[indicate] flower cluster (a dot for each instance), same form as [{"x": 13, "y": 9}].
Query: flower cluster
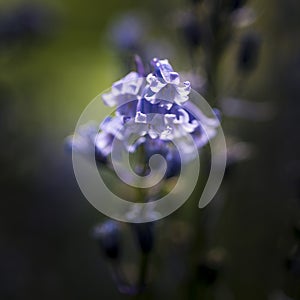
[{"x": 152, "y": 113}]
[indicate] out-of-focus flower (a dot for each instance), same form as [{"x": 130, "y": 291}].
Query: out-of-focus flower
[
  {"x": 84, "y": 142},
  {"x": 248, "y": 52},
  {"x": 109, "y": 237},
  {"x": 26, "y": 22},
  {"x": 127, "y": 31},
  {"x": 145, "y": 235},
  {"x": 158, "y": 47},
  {"x": 191, "y": 28},
  {"x": 232, "y": 5},
  {"x": 243, "y": 17}
]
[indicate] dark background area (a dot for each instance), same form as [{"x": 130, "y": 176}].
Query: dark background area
[{"x": 55, "y": 57}]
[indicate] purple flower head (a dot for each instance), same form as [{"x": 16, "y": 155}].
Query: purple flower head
[
  {"x": 154, "y": 113},
  {"x": 164, "y": 85}
]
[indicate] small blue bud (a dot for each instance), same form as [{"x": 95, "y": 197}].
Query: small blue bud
[
  {"x": 248, "y": 52},
  {"x": 145, "y": 235},
  {"x": 109, "y": 236}
]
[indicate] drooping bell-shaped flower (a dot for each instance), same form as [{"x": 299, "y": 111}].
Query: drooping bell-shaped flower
[{"x": 164, "y": 85}]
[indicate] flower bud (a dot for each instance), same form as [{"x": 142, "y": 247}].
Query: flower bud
[
  {"x": 109, "y": 237},
  {"x": 145, "y": 235},
  {"x": 191, "y": 29},
  {"x": 232, "y": 5},
  {"x": 236, "y": 4},
  {"x": 25, "y": 22},
  {"x": 248, "y": 52},
  {"x": 126, "y": 32}
]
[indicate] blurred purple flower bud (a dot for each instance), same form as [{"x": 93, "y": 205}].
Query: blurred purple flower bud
[
  {"x": 109, "y": 236},
  {"x": 145, "y": 236},
  {"x": 25, "y": 22},
  {"x": 127, "y": 31},
  {"x": 171, "y": 155},
  {"x": 191, "y": 29},
  {"x": 248, "y": 52},
  {"x": 232, "y": 5},
  {"x": 235, "y": 4},
  {"x": 243, "y": 17}
]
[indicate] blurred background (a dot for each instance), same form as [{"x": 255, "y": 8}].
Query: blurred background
[{"x": 56, "y": 56}]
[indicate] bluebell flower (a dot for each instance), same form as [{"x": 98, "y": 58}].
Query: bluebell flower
[
  {"x": 153, "y": 113},
  {"x": 84, "y": 142},
  {"x": 164, "y": 84},
  {"x": 125, "y": 89}
]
